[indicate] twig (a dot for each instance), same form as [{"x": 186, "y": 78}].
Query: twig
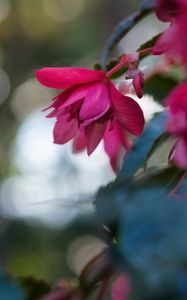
[{"x": 122, "y": 29}]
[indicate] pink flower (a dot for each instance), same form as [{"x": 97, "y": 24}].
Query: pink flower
[
  {"x": 121, "y": 288},
  {"x": 177, "y": 122},
  {"x": 90, "y": 108},
  {"x": 167, "y": 10},
  {"x": 173, "y": 41}
]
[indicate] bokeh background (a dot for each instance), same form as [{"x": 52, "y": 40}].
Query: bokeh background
[{"x": 47, "y": 225}]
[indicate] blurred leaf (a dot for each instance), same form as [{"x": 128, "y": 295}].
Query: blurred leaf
[
  {"x": 97, "y": 66},
  {"x": 35, "y": 288},
  {"x": 153, "y": 241},
  {"x": 109, "y": 201},
  {"x": 9, "y": 290},
  {"x": 167, "y": 177},
  {"x": 159, "y": 86},
  {"x": 149, "y": 43},
  {"x": 136, "y": 158},
  {"x": 158, "y": 142},
  {"x": 119, "y": 73}
]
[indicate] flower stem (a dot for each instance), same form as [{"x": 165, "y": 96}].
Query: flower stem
[
  {"x": 125, "y": 62},
  {"x": 103, "y": 288},
  {"x": 116, "y": 68}
]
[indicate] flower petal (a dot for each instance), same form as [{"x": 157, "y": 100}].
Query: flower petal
[
  {"x": 77, "y": 94},
  {"x": 127, "y": 112},
  {"x": 64, "y": 129},
  {"x": 138, "y": 83},
  {"x": 114, "y": 140},
  {"x": 121, "y": 288},
  {"x": 94, "y": 133},
  {"x": 57, "y": 103},
  {"x": 180, "y": 153},
  {"x": 63, "y": 78},
  {"x": 96, "y": 102},
  {"x": 112, "y": 146},
  {"x": 165, "y": 41},
  {"x": 79, "y": 143}
]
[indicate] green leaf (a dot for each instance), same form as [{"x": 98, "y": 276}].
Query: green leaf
[
  {"x": 167, "y": 177},
  {"x": 157, "y": 144},
  {"x": 109, "y": 201},
  {"x": 153, "y": 241},
  {"x": 136, "y": 158},
  {"x": 97, "y": 66},
  {"x": 9, "y": 290},
  {"x": 159, "y": 86},
  {"x": 34, "y": 288},
  {"x": 149, "y": 43}
]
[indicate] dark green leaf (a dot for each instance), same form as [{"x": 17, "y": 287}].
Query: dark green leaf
[
  {"x": 119, "y": 73},
  {"x": 167, "y": 177},
  {"x": 97, "y": 66},
  {"x": 34, "y": 288},
  {"x": 159, "y": 86},
  {"x": 136, "y": 158},
  {"x": 153, "y": 241},
  {"x": 149, "y": 43},
  {"x": 109, "y": 201}
]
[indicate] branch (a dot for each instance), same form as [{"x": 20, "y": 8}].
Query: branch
[{"x": 123, "y": 28}]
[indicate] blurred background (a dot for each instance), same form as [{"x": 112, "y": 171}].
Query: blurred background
[{"x": 47, "y": 224}]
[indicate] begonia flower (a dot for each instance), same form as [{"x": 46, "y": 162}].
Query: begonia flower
[
  {"x": 173, "y": 41},
  {"x": 89, "y": 109},
  {"x": 177, "y": 122}
]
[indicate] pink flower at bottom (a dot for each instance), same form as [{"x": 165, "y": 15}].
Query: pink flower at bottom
[
  {"x": 121, "y": 288},
  {"x": 177, "y": 122},
  {"x": 90, "y": 109}
]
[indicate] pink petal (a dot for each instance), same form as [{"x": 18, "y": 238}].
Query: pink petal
[
  {"x": 121, "y": 288},
  {"x": 79, "y": 143},
  {"x": 64, "y": 129},
  {"x": 77, "y": 94},
  {"x": 112, "y": 146},
  {"x": 127, "y": 112},
  {"x": 165, "y": 41},
  {"x": 138, "y": 83},
  {"x": 96, "y": 102},
  {"x": 94, "y": 133},
  {"x": 180, "y": 153},
  {"x": 113, "y": 141},
  {"x": 63, "y": 78},
  {"x": 57, "y": 103}
]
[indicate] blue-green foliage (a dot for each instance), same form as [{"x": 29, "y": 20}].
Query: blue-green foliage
[
  {"x": 137, "y": 157},
  {"x": 9, "y": 290},
  {"x": 148, "y": 222}
]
